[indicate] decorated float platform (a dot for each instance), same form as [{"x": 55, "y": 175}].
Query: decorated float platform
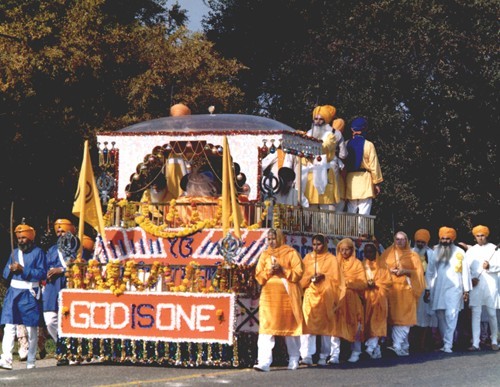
[{"x": 168, "y": 283}]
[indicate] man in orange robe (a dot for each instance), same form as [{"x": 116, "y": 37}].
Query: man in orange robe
[
  {"x": 279, "y": 271},
  {"x": 323, "y": 284},
  {"x": 376, "y": 299},
  {"x": 350, "y": 314},
  {"x": 408, "y": 283}
]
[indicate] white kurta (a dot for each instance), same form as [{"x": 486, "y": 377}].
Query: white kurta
[
  {"x": 425, "y": 315},
  {"x": 485, "y": 293},
  {"x": 446, "y": 284}
]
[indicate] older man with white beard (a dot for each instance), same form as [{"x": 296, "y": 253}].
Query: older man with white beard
[
  {"x": 449, "y": 279},
  {"x": 320, "y": 175},
  {"x": 484, "y": 266}
]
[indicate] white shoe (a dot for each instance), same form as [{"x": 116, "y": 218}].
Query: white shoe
[
  {"x": 377, "y": 354},
  {"x": 307, "y": 361},
  {"x": 293, "y": 364},
  {"x": 5, "y": 364},
  {"x": 354, "y": 357},
  {"x": 334, "y": 360},
  {"x": 402, "y": 352},
  {"x": 262, "y": 368},
  {"x": 446, "y": 350},
  {"x": 322, "y": 362},
  {"x": 30, "y": 365},
  {"x": 370, "y": 351}
]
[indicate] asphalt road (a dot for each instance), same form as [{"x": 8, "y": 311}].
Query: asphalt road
[{"x": 429, "y": 369}]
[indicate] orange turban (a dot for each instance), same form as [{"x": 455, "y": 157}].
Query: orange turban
[
  {"x": 325, "y": 111},
  {"x": 65, "y": 225},
  {"x": 338, "y": 124},
  {"x": 481, "y": 230},
  {"x": 179, "y": 109},
  {"x": 25, "y": 230},
  {"x": 87, "y": 243},
  {"x": 447, "y": 232},
  {"x": 422, "y": 235}
]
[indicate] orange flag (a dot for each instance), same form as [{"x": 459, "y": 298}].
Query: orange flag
[
  {"x": 229, "y": 203},
  {"x": 87, "y": 205}
]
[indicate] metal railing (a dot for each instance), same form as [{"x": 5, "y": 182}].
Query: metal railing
[{"x": 289, "y": 218}]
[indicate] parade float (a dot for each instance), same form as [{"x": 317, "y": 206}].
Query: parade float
[{"x": 171, "y": 283}]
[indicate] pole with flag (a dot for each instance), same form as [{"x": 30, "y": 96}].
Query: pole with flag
[
  {"x": 229, "y": 203},
  {"x": 87, "y": 205}
]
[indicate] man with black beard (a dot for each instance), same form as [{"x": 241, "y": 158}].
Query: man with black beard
[
  {"x": 448, "y": 276},
  {"x": 25, "y": 267}
]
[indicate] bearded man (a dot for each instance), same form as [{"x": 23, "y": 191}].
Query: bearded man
[
  {"x": 319, "y": 175},
  {"x": 25, "y": 267},
  {"x": 408, "y": 282},
  {"x": 484, "y": 265},
  {"x": 449, "y": 281}
]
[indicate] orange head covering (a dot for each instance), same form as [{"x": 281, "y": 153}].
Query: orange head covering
[
  {"x": 481, "y": 230},
  {"x": 338, "y": 124},
  {"x": 179, "y": 109},
  {"x": 65, "y": 225},
  {"x": 422, "y": 235},
  {"x": 325, "y": 111},
  {"x": 87, "y": 243},
  {"x": 25, "y": 230},
  {"x": 447, "y": 232}
]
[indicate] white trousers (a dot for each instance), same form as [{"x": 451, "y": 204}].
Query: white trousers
[
  {"x": 447, "y": 323},
  {"x": 51, "y": 323},
  {"x": 476, "y": 324},
  {"x": 371, "y": 343},
  {"x": 335, "y": 347},
  {"x": 400, "y": 337},
  {"x": 9, "y": 336},
  {"x": 308, "y": 346},
  {"x": 364, "y": 206},
  {"x": 265, "y": 345}
]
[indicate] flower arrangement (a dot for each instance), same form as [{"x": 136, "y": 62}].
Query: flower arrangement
[{"x": 458, "y": 265}]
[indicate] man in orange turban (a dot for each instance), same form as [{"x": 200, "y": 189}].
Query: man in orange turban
[
  {"x": 321, "y": 174},
  {"x": 24, "y": 269},
  {"x": 449, "y": 280},
  {"x": 56, "y": 279},
  {"x": 484, "y": 262}
]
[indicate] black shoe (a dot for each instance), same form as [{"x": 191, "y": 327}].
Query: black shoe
[
  {"x": 63, "y": 362},
  {"x": 42, "y": 354}
]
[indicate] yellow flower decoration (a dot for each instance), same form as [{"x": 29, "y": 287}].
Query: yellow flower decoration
[{"x": 458, "y": 266}]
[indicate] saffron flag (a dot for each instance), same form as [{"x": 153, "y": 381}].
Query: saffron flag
[
  {"x": 87, "y": 205},
  {"x": 230, "y": 205}
]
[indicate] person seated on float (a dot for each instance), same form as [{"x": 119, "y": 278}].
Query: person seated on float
[
  {"x": 156, "y": 197},
  {"x": 201, "y": 192}
]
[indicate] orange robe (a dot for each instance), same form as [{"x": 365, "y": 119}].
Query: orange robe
[
  {"x": 280, "y": 304},
  {"x": 350, "y": 314},
  {"x": 376, "y": 299},
  {"x": 321, "y": 299},
  {"x": 406, "y": 290}
]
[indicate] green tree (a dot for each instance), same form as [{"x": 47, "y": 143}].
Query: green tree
[
  {"x": 71, "y": 68},
  {"x": 424, "y": 73}
]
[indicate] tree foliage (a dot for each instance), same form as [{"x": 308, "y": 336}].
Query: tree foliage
[
  {"x": 425, "y": 73},
  {"x": 71, "y": 68}
]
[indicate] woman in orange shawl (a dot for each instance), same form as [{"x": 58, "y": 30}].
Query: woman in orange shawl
[
  {"x": 279, "y": 271},
  {"x": 323, "y": 285},
  {"x": 350, "y": 315},
  {"x": 407, "y": 285},
  {"x": 376, "y": 299}
]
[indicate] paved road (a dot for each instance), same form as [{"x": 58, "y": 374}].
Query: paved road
[{"x": 430, "y": 369}]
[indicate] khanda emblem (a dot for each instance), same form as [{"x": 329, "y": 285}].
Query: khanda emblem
[
  {"x": 68, "y": 244},
  {"x": 88, "y": 192}
]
